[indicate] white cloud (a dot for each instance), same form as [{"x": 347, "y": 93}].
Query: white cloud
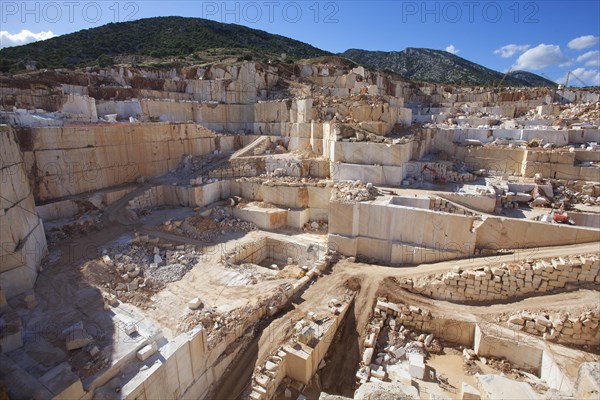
[
  {"x": 25, "y": 36},
  {"x": 591, "y": 58},
  {"x": 540, "y": 57},
  {"x": 452, "y": 49},
  {"x": 511, "y": 49},
  {"x": 590, "y": 77},
  {"x": 583, "y": 42}
]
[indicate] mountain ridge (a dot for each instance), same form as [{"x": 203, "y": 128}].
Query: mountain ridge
[{"x": 431, "y": 65}]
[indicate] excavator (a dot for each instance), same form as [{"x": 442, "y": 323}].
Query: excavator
[
  {"x": 436, "y": 177},
  {"x": 560, "y": 216}
]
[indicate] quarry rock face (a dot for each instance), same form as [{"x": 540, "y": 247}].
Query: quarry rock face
[{"x": 23, "y": 238}]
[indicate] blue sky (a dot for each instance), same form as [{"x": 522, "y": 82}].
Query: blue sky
[{"x": 545, "y": 37}]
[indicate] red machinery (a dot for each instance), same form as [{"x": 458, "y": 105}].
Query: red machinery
[{"x": 436, "y": 177}]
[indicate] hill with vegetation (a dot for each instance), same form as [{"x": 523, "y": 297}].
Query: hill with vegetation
[{"x": 159, "y": 38}]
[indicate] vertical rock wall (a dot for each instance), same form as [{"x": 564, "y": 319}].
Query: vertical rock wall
[{"x": 22, "y": 238}]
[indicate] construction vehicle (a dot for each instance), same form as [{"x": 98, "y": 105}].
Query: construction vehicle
[
  {"x": 436, "y": 177},
  {"x": 560, "y": 216}
]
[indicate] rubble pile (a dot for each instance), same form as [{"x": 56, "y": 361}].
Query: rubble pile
[
  {"x": 85, "y": 223},
  {"x": 582, "y": 112},
  {"x": 286, "y": 180},
  {"x": 209, "y": 228},
  {"x": 355, "y": 133},
  {"x": 564, "y": 115},
  {"x": 138, "y": 271},
  {"x": 168, "y": 273},
  {"x": 316, "y": 226},
  {"x": 217, "y": 324},
  {"x": 84, "y": 348},
  {"x": 341, "y": 109},
  {"x": 220, "y": 324},
  {"x": 537, "y": 194},
  {"x": 560, "y": 327},
  {"x": 398, "y": 342},
  {"x": 440, "y": 172},
  {"x": 353, "y": 191},
  {"x": 201, "y": 163},
  {"x": 586, "y": 193},
  {"x": 509, "y": 281},
  {"x": 395, "y": 350}
]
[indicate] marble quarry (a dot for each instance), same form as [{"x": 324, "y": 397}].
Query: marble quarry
[{"x": 302, "y": 231}]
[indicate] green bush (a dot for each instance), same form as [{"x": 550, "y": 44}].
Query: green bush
[{"x": 105, "y": 61}]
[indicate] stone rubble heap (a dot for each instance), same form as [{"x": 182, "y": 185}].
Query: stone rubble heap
[
  {"x": 584, "y": 112},
  {"x": 77, "y": 338},
  {"x": 404, "y": 343},
  {"x": 217, "y": 324},
  {"x": 509, "y": 281},
  {"x": 562, "y": 328},
  {"x": 85, "y": 223},
  {"x": 355, "y": 133},
  {"x": 586, "y": 193},
  {"x": 140, "y": 266},
  {"x": 353, "y": 191},
  {"x": 222, "y": 324},
  {"x": 208, "y": 229},
  {"x": 271, "y": 180},
  {"x": 550, "y": 193},
  {"x": 316, "y": 226}
]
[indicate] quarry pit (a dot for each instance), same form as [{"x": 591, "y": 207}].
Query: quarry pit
[{"x": 260, "y": 231}]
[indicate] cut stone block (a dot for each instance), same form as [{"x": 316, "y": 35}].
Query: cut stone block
[
  {"x": 145, "y": 352},
  {"x": 499, "y": 387},
  {"x": 468, "y": 392},
  {"x": 194, "y": 304},
  {"x": 416, "y": 366},
  {"x": 262, "y": 380},
  {"x": 399, "y": 373},
  {"x": 63, "y": 382},
  {"x": 378, "y": 371},
  {"x": 77, "y": 339},
  {"x": 367, "y": 356},
  {"x": 428, "y": 340},
  {"x": 399, "y": 352},
  {"x": 270, "y": 366}
]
